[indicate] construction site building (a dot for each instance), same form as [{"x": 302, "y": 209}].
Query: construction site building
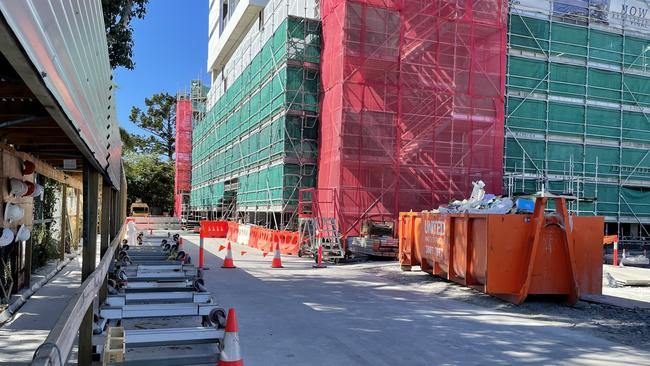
[
  {"x": 255, "y": 147},
  {"x": 577, "y": 104},
  {"x": 183, "y": 161},
  {"x": 412, "y": 100},
  {"x": 412, "y": 105}
]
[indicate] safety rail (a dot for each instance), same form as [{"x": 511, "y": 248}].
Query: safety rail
[{"x": 58, "y": 344}]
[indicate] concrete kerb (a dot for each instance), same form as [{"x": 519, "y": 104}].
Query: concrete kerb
[{"x": 24, "y": 295}]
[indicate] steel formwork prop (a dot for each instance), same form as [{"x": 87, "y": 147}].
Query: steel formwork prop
[{"x": 412, "y": 106}]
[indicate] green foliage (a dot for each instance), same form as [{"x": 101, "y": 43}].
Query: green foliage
[
  {"x": 159, "y": 120},
  {"x": 150, "y": 179},
  {"x": 119, "y": 32},
  {"x": 45, "y": 236},
  {"x": 132, "y": 142}
]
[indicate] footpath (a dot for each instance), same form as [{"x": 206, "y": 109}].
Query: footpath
[{"x": 30, "y": 325}]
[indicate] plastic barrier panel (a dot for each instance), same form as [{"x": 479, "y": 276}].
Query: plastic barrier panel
[
  {"x": 233, "y": 231},
  {"x": 288, "y": 241},
  {"x": 265, "y": 240},
  {"x": 243, "y": 234},
  {"x": 156, "y": 222},
  {"x": 213, "y": 229},
  {"x": 254, "y": 236}
]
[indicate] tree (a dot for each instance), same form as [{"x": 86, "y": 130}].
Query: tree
[
  {"x": 119, "y": 33},
  {"x": 160, "y": 121},
  {"x": 132, "y": 142},
  {"x": 150, "y": 180}
]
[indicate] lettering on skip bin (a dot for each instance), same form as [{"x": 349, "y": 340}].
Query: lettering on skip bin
[{"x": 435, "y": 228}]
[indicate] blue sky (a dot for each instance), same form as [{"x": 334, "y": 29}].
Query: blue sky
[{"x": 171, "y": 46}]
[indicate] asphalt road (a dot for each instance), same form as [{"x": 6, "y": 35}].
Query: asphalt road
[{"x": 342, "y": 315}]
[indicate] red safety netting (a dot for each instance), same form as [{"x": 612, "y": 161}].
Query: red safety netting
[
  {"x": 183, "y": 153},
  {"x": 412, "y": 106}
]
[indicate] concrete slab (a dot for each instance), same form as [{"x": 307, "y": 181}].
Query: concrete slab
[
  {"x": 341, "y": 316},
  {"x": 629, "y": 276},
  {"x": 28, "y": 329}
]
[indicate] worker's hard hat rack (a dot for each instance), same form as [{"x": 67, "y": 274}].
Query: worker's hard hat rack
[{"x": 152, "y": 281}]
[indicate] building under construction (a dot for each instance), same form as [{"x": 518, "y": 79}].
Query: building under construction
[
  {"x": 578, "y": 98},
  {"x": 384, "y": 106},
  {"x": 255, "y": 147}
]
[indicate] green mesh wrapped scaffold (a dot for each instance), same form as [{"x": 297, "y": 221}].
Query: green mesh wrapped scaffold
[
  {"x": 578, "y": 107},
  {"x": 259, "y": 140}
]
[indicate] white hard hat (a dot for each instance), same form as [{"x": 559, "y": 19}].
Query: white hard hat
[
  {"x": 13, "y": 212},
  {"x": 38, "y": 190},
  {"x": 23, "y": 233},
  {"x": 7, "y": 237},
  {"x": 18, "y": 187}
]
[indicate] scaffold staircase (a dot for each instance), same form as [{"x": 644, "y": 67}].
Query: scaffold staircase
[{"x": 316, "y": 230}]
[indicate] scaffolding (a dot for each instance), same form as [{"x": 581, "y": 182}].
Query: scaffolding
[
  {"x": 577, "y": 104},
  {"x": 412, "y": 105},
  {"x": 183, "y": 160},
  {"x": 256, "y": 146}
]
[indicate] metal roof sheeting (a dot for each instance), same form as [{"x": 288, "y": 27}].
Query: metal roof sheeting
[{"x": 66, "y": 42}]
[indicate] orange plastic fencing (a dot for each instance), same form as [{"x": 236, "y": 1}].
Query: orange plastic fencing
[
  {"x": 233, "y": 230},
  {"x": 254, "y": 237},
  {"x": 287, "y": 240},
  {"x": 265, "y": 240},
  {"x": 213, "y": 229}
]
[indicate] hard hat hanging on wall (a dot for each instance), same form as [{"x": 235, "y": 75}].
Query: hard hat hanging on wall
[
  {"x": 7, "y": 237},
  {"x": 13, "y": 212},
  {"x": 23, "y": 233},
  {"x": 28, "y": 167},
  {"x": 17, "y": 187}
]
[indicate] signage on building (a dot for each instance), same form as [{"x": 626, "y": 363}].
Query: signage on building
[
  {"x": 69, "y": 163},
  {"x": 632, "y": 15}
]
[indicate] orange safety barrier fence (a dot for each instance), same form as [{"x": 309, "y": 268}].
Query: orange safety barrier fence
[
  {"x": 213, "y": 229},
  {"x": 265, "y": 240},
  {"x": 254, "y": 237},
  {"x": 287, "y": 240},
  {"x": 233, "y": 230}
]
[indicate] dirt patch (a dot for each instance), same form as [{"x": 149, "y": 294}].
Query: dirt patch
[{"x": 626, "y": 326}]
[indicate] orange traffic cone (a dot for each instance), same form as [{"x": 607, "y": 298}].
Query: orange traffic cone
[
  {"x": 230, "y": 354},
  {"x": 277, "y": 260},
  {"x": 227, "y": 262}
]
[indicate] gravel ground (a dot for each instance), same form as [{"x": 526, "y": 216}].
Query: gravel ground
[{"x": 627, "y": 326}]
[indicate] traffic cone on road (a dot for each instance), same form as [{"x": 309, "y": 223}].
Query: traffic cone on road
[
  {"x": 277, "y": 260},
  {"x": 227, "y": 262},
  {"x": 230, "y": 354}
]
